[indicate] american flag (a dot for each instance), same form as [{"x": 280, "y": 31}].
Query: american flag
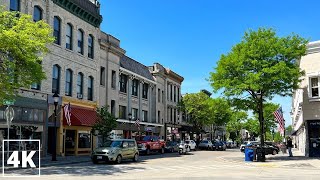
[
  {"x": 137, "y": 123},
  {"x": 279, "y": 117},
  {"x": 67, "y": 113}
]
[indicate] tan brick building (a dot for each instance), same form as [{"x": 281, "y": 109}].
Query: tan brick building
[{"x": 305, "y": 111}]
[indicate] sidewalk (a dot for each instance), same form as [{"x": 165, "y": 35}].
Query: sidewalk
[
  {"x": 46, "y": 161},
  {"x": 280, "y": 160}
]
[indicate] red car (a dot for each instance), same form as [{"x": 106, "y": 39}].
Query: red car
[{"x": 151, "y": 144}]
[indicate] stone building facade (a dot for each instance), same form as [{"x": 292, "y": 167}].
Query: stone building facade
[
  {"x": 71, "y": 69},
  {"x": 87, "y": 68},
  {"x": 305, "y": 111}
]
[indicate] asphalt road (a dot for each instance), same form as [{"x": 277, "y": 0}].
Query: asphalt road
[{"x": 195, "y": 165}]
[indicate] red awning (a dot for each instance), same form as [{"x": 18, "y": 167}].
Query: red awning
[{"x": 81, "y": 116}]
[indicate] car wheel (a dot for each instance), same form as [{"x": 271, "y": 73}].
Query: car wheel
[
  {"x": 274, "y": 152},
  {"x": 94, "y": 161},
  {"x": 136, "y": 157},
  {"x": 148, "y": 151},
  {"x": 119, "y": 159}
]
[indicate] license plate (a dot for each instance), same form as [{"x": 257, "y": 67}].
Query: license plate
[{"x": 99, "y": 157}]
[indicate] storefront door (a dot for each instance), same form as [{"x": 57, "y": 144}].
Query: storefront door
[{"x": 314, "y": 138}]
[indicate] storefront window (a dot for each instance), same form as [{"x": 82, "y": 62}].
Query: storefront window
[
  {"x": 41, "y": 115},
  {"x": 35, "y": 115},
  {"x": 84, "y": 140},
  {"x": 27, "y": 114},
  {"x": 17, "y": 113}
]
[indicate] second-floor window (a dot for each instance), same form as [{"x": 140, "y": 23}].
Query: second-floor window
[
  {"x": 122, "y": 112},
  {"x": 90, "y": 47},
  {"x": 145, "y": 90},
  {"x": 37, "y": 13},
  {"x": 113, "y": 107},
  {"x": 80, "y": 41},
  {"x": 314, "y": 87},
  {"x": 56, "y": 29},
  {"x": 69, "y": 36},
  {"x": 135, "y": 84},
  {"x": 174, "y": 94},
  {"x": 144, "y": 116},
  {"x": 56, "y": 79},
  {"x": 113, "y": 79},
  {"x": 123, "y": 83},
  {"x": 80, "y": 86},
  {"x": 68, "y": 89},
  {"x": 102, "y": 75},
  {"x": 134, "y": 113},
  {"x": 159, "y": 95},
  {"x": 90, "y": 88},
  {"x": 14, "y": 5}
]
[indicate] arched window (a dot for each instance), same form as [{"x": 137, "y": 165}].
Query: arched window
[
  {"x": 80, "y": 86},
  {"x": 37, "y": 13},
  {"x": 90, "y": 47},
  {"x": 69, "y": 36},
  {"x": 57, "y": 28},
  {"x": 56, "y": 79},
  {"x": 68, "y": 89},
  {"x": 14, "y": 5},
  {"x": 90, "y": 88},
  {"x": 80, "y": 41}
]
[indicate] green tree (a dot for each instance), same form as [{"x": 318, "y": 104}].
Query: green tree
[
  {"x": 23, "y": 44},
  {"x": 105, "y": 123},
  {"x": 219, "y": 112},
  {"x": 261, "y": 66},
  {"x": 236, "y": 123},
  {"x": 197, "y": 108}
]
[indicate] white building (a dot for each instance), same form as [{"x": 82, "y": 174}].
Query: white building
[{"x": 305, "y": 108}]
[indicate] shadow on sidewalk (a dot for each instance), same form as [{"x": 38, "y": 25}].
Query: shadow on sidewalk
[{"x": 294, "y": 158}]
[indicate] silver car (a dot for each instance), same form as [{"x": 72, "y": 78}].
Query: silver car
[
  {"x": 116, "y": 151},
  {"x": 205, "y": 144}
]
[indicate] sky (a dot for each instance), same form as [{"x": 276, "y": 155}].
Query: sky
[{"x": 189, "y": 36}]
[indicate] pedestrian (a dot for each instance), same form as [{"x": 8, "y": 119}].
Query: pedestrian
[{"x": 289, "y": 146}]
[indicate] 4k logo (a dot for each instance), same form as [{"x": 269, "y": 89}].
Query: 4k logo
[
  {"x": 22, "y": 156},
  {"x": 14, "y": 159}
]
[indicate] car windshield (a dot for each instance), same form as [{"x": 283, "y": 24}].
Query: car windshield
[
  {"x": 204, "y": 141},
  {"x": 187, "y": 142},
  {"x": 112, "y": 144}
]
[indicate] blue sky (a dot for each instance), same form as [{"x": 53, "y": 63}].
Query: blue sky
[{"x": 189, "y": 36}]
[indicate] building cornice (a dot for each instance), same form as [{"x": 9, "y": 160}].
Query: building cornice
[{"x": 84, "y": 9}]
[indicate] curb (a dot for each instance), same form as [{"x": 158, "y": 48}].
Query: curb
[{"x": 48, "y": 165}]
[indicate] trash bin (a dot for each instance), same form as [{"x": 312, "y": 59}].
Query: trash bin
[{"x": 248, "y": 152}]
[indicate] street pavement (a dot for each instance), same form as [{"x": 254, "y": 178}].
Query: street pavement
[{"x": 228, "y": 164}]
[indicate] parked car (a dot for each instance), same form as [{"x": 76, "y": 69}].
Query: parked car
[
  {"x": 116, "y": 151},
  {"x": 192, "y": 144},
  {"x": 172, "y": 146},
  {"x": 151, "y": 144},
  {"x": 219, "y": 145},
  {"x": 231, "y": 144},
  {"x": 205, "y": 144},
  {"x": 245, "y": 143}
]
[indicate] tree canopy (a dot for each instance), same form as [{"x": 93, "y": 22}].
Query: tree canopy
[
  {"x": 105, "y": 123},
  {"x": 203, "y": 110},
  {"x": 261, "y": 62},
  {"x": 23, "y": 44}
]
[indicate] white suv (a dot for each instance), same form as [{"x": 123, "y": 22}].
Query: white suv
[{"x": 192, "y": 144}]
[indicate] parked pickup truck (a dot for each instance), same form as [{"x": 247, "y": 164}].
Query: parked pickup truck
[{"x": 151, "y": 144}]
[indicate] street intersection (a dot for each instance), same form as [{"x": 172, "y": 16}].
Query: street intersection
[{"x": 228, "y": 164}]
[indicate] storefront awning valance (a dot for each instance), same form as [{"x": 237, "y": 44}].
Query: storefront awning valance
[{"x": 81, "y": 116}]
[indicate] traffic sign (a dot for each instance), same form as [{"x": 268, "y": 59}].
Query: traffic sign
[
  {"x": 9, "y": 113},
  {"x": 8, "y": 102}
]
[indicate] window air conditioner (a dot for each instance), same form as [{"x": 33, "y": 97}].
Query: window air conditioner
[{"x": 79, "y": 96}]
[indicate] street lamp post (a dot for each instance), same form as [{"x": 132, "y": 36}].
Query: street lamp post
[
  {"x": 261, "y": 120},
  {"x": 54, "y": 151},
  {"x": 130, "y": 118}
]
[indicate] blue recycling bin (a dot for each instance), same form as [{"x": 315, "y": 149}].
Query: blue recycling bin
[{"x": 248, "y": 154}]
